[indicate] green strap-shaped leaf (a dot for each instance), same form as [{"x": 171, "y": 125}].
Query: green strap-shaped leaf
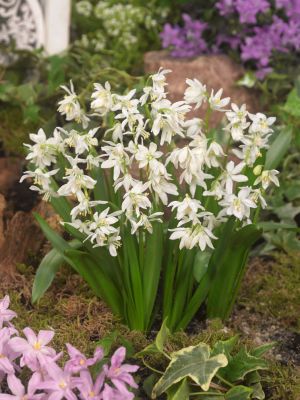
[
  {"x": 47, "y": 270},
  {"x": 54, "y": 238},
  {"x": 278, "y": 149},
  {"x": 152, "y": 267},
  {"x": 193, "y": 362},
  {"x": 239, "y": 393},
  {"x": 227, "y": 267},
  {"x": 162, "y": 336},
  {"x": 94, "y": 276}
]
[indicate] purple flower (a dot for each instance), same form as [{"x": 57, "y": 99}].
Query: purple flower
[
  {"x": 58, "y": 384},
  {"x": 120, "y": 374},
  {"x": 226, "y": 7},
  {"x": 186, "y": 41},
  {"x": 78, "y": 361},
  {"x": 18, "y": 390},
  {"x": 249, "y": 9},
  {"x": 34, "y": 350},
  {"x": 87, "y": 388},
  {"x": 6, "y": 315}
]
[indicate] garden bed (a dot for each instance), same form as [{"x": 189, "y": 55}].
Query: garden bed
[{"x": 267, "y": 310}]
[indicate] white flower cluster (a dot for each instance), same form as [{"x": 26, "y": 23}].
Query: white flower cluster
[
  {"x": 154, "y": 153},
  {"x": 119, "y": 21}
]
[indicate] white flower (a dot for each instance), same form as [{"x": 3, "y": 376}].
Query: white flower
[
  {"x": 168, "y": 119},
  {"x": 125, "y": 103},
  {"x": 113, "y": 242},
  {"x": 117, "y": 159},
  {"x": 82, "y": 143},
  {"x": 267, "y": 177},
  {"x": 144, "y": 222},
  {"x": 43, "y": 180},
  {"x": 237, "y": 130},
  {"x": 42, "y": 153},
  {"x": 76, "y": 181},
  {"x": 84, "y": 207},
  {"x": 135, "y": 199},
  {"x": 196, "y": 93},
  {"x": 84, "y": 7},
  {"x": 239, "y": 205},
  {"x": 159, "y": 183},
  {"x": 215, "y": 101},
  {"x": 102, "y": 96},
  {"x": 117, "y": 132},
  {"x": 159, "y": 80},
  {"x": 212, "y": 154},
  {"x": 232, "y": 174},
  {"x": 216, "y": 190},
  {"x": 257, "y": 196},
  {"x": 102, "y": 224},
  {"x": 261, "y": 124},
  {"x": 81, "y": 226},
  {"x": 127, "y": 181},
  {"x": 189, "y": 237},
  {"x": 70, "y": 107},
  {"x": 237, "y": 115},
  {"x": 147, "y": 156},
  {"x": 188, "y": 207},
  {"x": 193, "y": 127}
]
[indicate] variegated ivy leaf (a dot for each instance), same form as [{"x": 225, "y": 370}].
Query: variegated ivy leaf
[
  {"x": 193, "y": 362},
  {"x": 241, "y": 364},
  {"x": 180, "y": 391}
]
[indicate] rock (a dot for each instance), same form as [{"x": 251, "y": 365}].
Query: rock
[
  {"x": 216, "y": 71},
  {"x": 10, "y": 173},
  {"x": 23, "y": 237}
]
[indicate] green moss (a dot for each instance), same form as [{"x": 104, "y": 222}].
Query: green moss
[
  {"x": 272, "y": 289},
  {"x": 282, "y": 382}
]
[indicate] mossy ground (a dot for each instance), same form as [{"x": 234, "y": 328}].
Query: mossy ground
[{"x": 268, "y": 309}]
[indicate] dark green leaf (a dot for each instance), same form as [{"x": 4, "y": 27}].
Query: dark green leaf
[
  {"x": 201, "y": 264},
  {"x": 47, "y": 270},
  {"x": 240, "y": 365},
  {"x": 239, "y": 393}
]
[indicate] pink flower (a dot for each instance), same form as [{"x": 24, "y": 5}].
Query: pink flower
[
  {"x": 114, "y": 394},
  {"x": 119, "y": 374},
  {"x": 6, "y": 356},
  {"x": 78, "y": 361},
  {"x": 6, "y": 315},
  {"x": 18, "y": 390},
  {"x": 88, "y": 389},
  {"x": 59, "y": 383},
  {"x": 34, "y": 349}
]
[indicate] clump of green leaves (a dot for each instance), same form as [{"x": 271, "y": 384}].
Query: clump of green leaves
[{"x": 220, "y": 372}]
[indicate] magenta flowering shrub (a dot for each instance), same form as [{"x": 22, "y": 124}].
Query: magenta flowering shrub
[
  {"x": 49, "y": 379},
  {"x": 257, "y": 30}
]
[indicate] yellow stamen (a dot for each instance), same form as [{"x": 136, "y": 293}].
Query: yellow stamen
[{"x": 37, "y": 346}]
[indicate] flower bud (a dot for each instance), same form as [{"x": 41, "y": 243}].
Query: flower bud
[{"x": 257, "y": 170}]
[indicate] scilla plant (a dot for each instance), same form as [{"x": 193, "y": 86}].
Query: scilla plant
[{"x": 162, "y": 214}]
